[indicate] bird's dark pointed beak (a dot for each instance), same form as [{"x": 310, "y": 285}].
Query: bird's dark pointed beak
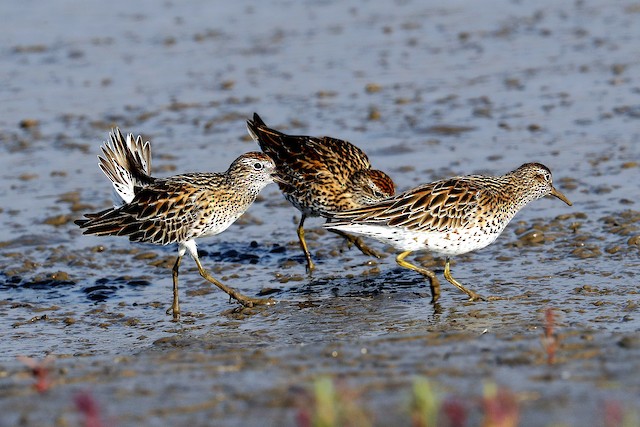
[{"x": 560, "y": 196}]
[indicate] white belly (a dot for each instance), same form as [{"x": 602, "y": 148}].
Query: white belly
[{"x": 446, "y": 243}]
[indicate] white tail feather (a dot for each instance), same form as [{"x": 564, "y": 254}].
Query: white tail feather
[{"x": 127, "y": 164}]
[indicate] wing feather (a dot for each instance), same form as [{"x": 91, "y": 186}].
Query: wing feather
[
  {"x": 161, "y": 213},
  {"x": 430, "y": 207}
]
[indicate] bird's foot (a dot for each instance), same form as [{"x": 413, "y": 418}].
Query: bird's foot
[
  {"x": 252, "y": 302},
  {"x": 475, "y": 297},
  {"x": 310, "y": 267},
  {"x": 174, "y": 312}
]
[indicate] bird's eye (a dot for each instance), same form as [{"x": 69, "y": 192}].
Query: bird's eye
[{"x": 258, "y": 166}]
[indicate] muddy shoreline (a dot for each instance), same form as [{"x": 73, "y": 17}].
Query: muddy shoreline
[{"x": 428, "y": 91}]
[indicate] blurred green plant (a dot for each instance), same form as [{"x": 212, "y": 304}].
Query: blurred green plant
[
  {"x": 424, "y": 404},
  {"x": 331, "y": 403}
]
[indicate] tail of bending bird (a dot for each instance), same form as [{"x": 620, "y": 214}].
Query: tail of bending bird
[{"x": 127, "y": 164}]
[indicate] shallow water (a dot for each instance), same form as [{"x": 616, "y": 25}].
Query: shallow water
[{"x": 428, "y": 91}]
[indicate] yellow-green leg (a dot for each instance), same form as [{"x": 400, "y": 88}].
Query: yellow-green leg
[
  {"x": 447, "y": 275},
  {"x": 358, "y": 242},
  {"x": 303, "y": 244},
  {"x": 433, "y": 280},
  {"x": 242, "y": 299},
  {"x": 175, "y": 306}
]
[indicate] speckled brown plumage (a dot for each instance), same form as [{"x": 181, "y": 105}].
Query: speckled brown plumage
[
  {"x": 451, "y": 216},
  {"x": 180, "y": 208},
  {"x": 322, "y": 175},
  {"x": 127, "y": 164}
]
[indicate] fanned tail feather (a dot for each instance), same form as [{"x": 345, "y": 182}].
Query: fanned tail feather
[{"x": 127, "y": 164}]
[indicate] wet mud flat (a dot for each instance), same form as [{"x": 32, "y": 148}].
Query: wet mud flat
[
  {"x": 250, "y": 373},
  {"x": 428, "y": 91},
  {"x": 370, "y": 329}
]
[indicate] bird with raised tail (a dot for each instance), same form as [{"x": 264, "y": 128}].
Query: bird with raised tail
[
  {"x": 178, "y": 209},
  {"x": 322, "y": 175}
]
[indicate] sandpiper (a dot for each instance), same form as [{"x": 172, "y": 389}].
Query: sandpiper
[
  {"x": 450, "y": 217},
  {"x": 177, "y": 209},
  {"x": 322, "y": 175}
]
